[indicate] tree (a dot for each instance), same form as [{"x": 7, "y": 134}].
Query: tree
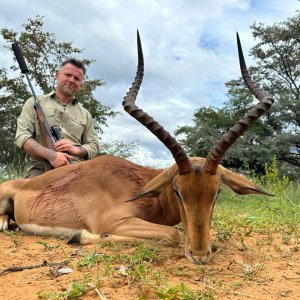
[
  {"x": 211, "y": 123},
  {"x": 43, "y": 55},
  {"x": 122, "y": 149},
  {"x": 275, "y": 134},
  {"x": 278, "y": 57}
]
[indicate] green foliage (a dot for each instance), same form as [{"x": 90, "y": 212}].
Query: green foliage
[
  {"x": 47, "y": 246},
  {"x": 271, "y": 179},
  {"x": 277, "y": 54},
  {"x": 280, "y": 213},
  {"x": 182, "y": 292},
  {"x": 16, "y": 169},
  {"x": 89, "y": 260},
  {"x": 75, "y": 291},
  {"x": 120, "y": 148},
  {"x": 48, "y": 296},
  {"x": 43, "y": 55},
  {"x": 143, "y": 253}
]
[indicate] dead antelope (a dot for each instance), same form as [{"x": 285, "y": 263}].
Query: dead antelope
[{"x": 88, "y": 202}]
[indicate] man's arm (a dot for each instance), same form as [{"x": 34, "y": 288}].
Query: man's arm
[
  {"x": 90, "y": 142},
  {"x": 65, "y": 145},
  {"x": 25, "y": 141},
  {"x": 56, "y": 159}
]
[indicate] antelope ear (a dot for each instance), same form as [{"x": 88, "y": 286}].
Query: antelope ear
[
  {"x": 155, "y": 186},
  {"x": 238, "y": 183}
]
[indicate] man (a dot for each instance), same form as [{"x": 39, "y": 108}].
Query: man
[{"x": 61, "y": 108}]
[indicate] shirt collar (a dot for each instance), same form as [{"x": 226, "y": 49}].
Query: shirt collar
[{"x": 52, "y": 95}]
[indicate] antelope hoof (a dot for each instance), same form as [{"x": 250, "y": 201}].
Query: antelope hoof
[
  {"x": 214, "y": 248},
  {"x": 74, "y": 239},
  {"x": 104, "y": 234},
  {"x": 4, "y": 221}
]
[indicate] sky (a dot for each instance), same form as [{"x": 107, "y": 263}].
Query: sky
[{"x": 189, "y": 52}]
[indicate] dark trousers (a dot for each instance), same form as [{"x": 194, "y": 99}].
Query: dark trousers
[{"x": 35, "y": 171}]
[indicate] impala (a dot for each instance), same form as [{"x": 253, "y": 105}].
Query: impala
[{"x": 111, "y": 199}]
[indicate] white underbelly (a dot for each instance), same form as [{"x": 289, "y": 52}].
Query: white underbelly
[{"x": 50, "y": 231}]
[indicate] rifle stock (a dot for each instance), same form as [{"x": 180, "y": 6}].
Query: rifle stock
[{"x": 44, "y": 127}]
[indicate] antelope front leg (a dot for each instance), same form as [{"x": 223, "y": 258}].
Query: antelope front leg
[
  {"x": 4, "y": 221},
  {"x": 6, "y": 209},
  {"x": 130, "y": 230},
  {"x": 138, "y": 228}
]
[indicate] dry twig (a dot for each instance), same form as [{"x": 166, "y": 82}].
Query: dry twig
[{"x": 43, "y": 264}]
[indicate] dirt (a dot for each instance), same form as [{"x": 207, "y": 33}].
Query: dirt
[{"x": 259, "y": 267}]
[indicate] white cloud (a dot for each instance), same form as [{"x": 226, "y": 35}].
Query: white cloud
[{"x": 189, "y": 49}]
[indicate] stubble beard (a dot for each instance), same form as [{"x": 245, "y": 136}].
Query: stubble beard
[{"x": 67, "y": 91}]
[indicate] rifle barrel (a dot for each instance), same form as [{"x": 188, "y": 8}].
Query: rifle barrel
[
  {"x": 32, "y": 90},
  {"x": 23, "y": 66}
]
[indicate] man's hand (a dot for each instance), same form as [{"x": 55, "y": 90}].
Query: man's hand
[
  {"x": 64, "y": 145},
  {"x": 58, "y": 159},
  {"x": 55, "y": 158}
]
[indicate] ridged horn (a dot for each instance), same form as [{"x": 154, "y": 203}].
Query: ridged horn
[
  {"x": 217, "y": 152},
  {"x": 179, "y": 154}
]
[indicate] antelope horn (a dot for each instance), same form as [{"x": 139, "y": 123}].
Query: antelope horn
[
  {"x": 217, "y": 152},
  {"x": 180, "y": 156}
]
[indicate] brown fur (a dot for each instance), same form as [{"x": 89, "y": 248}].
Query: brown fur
[{"x": 86, "y": 199}]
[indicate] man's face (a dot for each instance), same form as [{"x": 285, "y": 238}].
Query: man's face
[{"x": 69, "y": 80}]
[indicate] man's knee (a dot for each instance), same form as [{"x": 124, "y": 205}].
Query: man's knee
[{"x": 35, "y": 172}]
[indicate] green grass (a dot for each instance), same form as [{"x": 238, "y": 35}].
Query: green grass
[
  {"x": 261, "y": 214},
  {"x": 11, "y": 172}
]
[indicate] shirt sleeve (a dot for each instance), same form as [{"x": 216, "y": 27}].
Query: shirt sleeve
[
  {"x": 25, "y": 124},
  {"x": 89, "y": 139}
]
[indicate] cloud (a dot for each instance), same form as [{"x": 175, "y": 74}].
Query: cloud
[{"x": 189, "y": 49}]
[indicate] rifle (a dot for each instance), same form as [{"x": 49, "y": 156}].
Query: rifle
[{"x": 49, "y": 135}]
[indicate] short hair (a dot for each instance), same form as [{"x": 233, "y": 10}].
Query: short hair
[{"x": 75, "y": 62}]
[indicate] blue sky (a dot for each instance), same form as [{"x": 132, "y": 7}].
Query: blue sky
[{"x": 189, "y": 50}]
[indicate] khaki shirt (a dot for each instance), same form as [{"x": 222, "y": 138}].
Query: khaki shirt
[{"x": 75, "y": 121}]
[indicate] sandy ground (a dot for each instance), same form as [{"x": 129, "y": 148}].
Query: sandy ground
[{"x": 262, "y": 267}]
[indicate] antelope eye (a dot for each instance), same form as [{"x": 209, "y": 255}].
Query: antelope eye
[{"x": 177, "y": 194}]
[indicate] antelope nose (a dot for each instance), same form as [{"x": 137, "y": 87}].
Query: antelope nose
[{"x": 199, "y": 257}]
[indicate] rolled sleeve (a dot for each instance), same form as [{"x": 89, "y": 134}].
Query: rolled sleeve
[
  {"x": 25, "y": 124},
  {"x": 90, "y": 141}
]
